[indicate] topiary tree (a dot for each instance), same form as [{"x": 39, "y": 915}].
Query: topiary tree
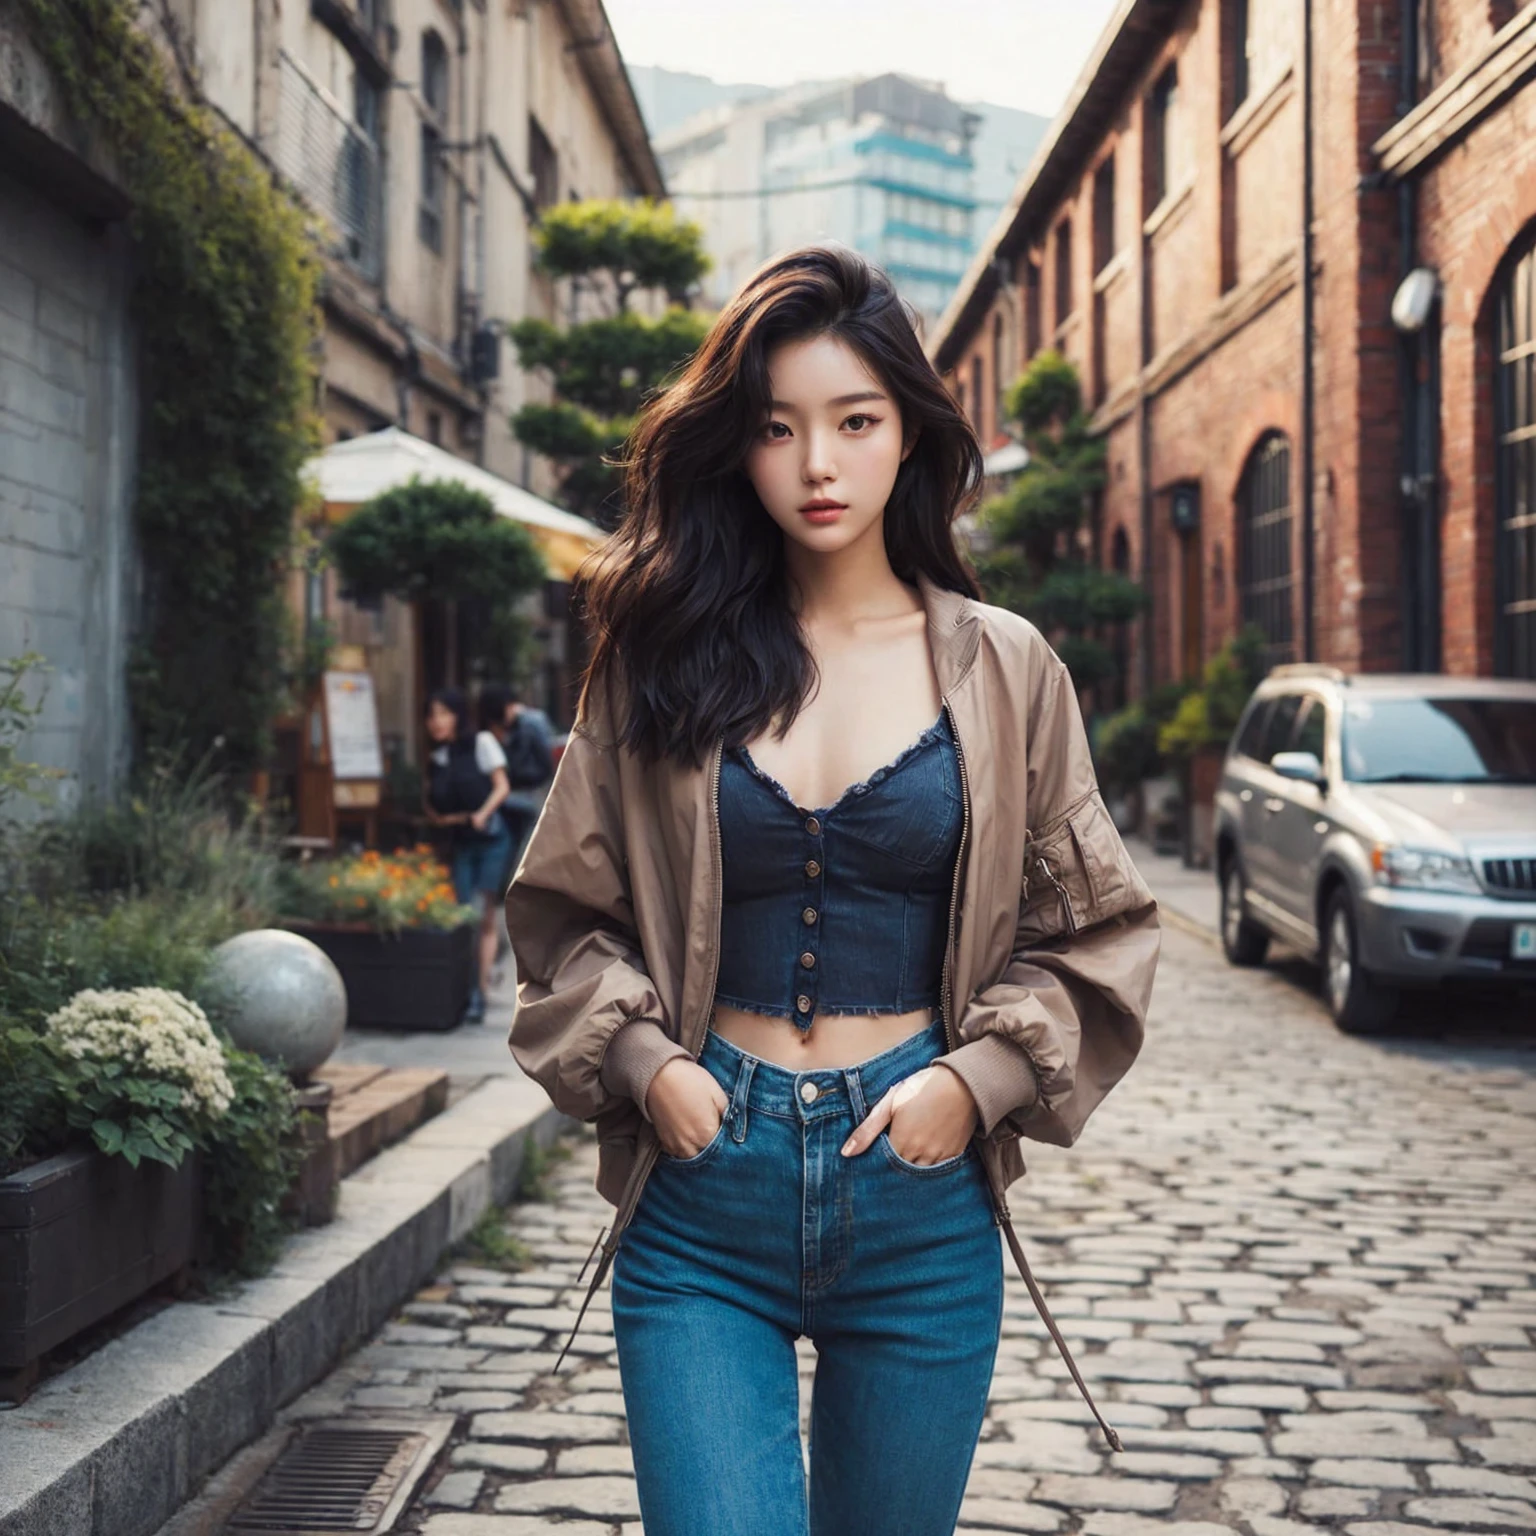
[
  {"x": 438, "y": 541},
  {"x": 442, "y": 542},
  {"x": 1036, "y": 564},
  {"x": 603, "y": 369}
]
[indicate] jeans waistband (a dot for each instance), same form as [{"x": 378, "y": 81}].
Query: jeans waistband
[{"x": 776, "y": 1090}]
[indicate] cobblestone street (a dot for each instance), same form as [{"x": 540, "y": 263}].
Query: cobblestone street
[{"x": 1298, "y": 1269}]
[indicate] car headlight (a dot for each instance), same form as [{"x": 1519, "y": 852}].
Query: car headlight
[{"x": 1421, "y": 869}]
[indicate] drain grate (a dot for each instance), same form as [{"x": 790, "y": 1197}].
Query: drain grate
[{"x": 341, "y": 1477}]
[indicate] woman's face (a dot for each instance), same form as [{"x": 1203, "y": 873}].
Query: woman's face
[
  {"x": 824, "y": 460},
  {"x": 442, "y": 723}
]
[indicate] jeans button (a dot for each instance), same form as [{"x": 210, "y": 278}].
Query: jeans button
[
  {"x": 812, "y": 825},
  {"x": 803, "y": 1003},
  {"x": 807, "y": 959},
  {"x": 808, "y": 916},
  {"x": 808, "y": 1092}
]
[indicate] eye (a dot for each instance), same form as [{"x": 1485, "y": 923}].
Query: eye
[
  {"x": 861, "y": 421},
  {"x": 772, "y": 430}
]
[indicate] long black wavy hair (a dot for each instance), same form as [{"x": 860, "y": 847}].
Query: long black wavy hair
[{"x": 688, "y": 601}]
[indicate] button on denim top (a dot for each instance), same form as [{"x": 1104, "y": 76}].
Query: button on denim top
[{"x": 843, "y": 909}]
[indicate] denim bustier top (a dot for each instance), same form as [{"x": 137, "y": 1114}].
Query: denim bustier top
[{"x": 843, "y": 909}]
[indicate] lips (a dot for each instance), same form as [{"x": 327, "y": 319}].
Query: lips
[{"x": 824, "y": 506}]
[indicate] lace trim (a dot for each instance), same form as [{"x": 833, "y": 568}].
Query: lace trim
[{"x": 861, "y": 786}]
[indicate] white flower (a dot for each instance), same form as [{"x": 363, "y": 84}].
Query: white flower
[{"x": 153, "y": 1033}]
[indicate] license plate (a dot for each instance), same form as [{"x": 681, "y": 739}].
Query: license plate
[{"x": 1522, "y": 942}]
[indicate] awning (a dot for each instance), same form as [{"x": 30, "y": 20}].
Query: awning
[
  {"x": 1007, "y": 460},
  {"x": 350, "y": 473}
]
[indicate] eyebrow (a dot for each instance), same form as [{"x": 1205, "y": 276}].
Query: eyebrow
[{"x": 858, "y": 399}]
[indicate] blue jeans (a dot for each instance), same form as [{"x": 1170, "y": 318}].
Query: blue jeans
[
  {"x": 481, "y": 865},
  {"x": 893, "y": 1270}
]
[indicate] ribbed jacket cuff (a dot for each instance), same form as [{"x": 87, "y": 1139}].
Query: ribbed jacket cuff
[
  {"x": 634, "y": 1056},
  {"x": 999, "y": 1075}
]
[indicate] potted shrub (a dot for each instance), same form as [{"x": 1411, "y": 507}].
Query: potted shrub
[
  {"x": 400, "y": 938},
  {"x": 143, "y": 1076}
]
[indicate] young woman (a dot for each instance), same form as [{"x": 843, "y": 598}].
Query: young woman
[
  {"x": 466, "y": 783},
  {"x": 822, "y": 915}
]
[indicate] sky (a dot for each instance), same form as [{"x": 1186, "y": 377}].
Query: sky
[{"x": 1015, "y": 53}]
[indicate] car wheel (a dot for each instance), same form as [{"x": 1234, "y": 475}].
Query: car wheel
[
  {"x": 1360, "y": 1005},
  {"x": 1243, "y": 941}
]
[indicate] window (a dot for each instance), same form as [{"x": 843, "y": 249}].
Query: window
[
  {"x": 1280, "y": 726},
  {"x": 1162, "y": 128},
  {"x": 1241, "y": 44},
  {"x": 435, "y": 427},
  {"x": 1515, "y": 469},
  {"x": 976, "y": 395},
  {"x": 1063, "y": 271},
  {"x": 429, "y": 212},
  {"x": 1120, "y": 635},
  {"x": 434, "y": 95},
  {"x": 1032, "y": 338},
  {"x": 1104, "y": 215},
  {"x": 1313, "y": 735},
  {"x": 1265, "y": 572},
  {"x": 999, "y": 371},
  {"x": 543, "y": 166},
  {"x": 434, "y": 74},
  {"x": 1250, "y": 735}
]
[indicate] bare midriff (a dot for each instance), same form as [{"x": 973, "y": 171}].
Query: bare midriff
[{"x": 833, "y": 1040}]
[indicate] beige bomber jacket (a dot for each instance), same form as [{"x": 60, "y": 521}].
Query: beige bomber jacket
[{"x": 614, "y": 919}]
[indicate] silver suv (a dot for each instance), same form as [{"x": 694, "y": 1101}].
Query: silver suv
[{"x": 1384, "y": 826}]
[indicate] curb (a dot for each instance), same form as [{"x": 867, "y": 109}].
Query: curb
[{"x": 118, "y": 1443}]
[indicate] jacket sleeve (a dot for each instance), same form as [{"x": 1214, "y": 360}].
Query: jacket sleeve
[
  {"x": 1072, "y": 1000},
  {"x": 581, "y": 973}
]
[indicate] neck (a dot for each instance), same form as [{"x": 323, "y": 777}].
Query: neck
[{"x": 846, "y": 586}]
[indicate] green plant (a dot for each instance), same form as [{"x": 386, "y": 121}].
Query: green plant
[
  {"x": 389, "y": 892},
  {"x": 224, "y": 301},
  {"x": 1035, "y": 564},
  {"x": 17, "y": 714},
  {"x": 604, "y": 369},
  {"x": 1206, "y": 716},
  {"x": 30, "y": 1122},
  {"x": 489, "y": 1242},
  {"x": 436, "y": 540},
  {"x": 248, "y": 1167},
  {"x": 141, "y": 1070}
]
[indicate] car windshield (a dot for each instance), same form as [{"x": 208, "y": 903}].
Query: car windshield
[{"x": 1440, "y": 741}]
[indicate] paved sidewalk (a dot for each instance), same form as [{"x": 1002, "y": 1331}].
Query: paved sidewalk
[
  {"x": 1298, "y": 1269},
  {"x": 1188, "y": 893}
]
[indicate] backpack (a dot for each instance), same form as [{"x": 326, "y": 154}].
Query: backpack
[{"x": 530, "y": 755}]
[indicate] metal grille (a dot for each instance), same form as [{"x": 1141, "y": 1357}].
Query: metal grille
[
  {"x": 1265, "y": 572},
  {"x": 1515, "y": 392},
  {"x": 332, "y": 162},
  {"x": 332, "y": 1479},
  {"x": 1512, "y": 877}
]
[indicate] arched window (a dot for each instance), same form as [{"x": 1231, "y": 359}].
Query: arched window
[
  {"x": 1515, "y": 473},
  {"x": 1266, "y": 573},
  {"x": 434, "y": 73}
]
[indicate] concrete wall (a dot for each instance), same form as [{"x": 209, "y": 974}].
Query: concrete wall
[{"x": 67, "y": 412}]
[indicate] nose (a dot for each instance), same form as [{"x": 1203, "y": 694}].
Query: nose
[{"x": 818, "y": 464}]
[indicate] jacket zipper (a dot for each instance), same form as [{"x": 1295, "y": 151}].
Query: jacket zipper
[
  {"x": 647, "y": 1160},
  {"x": 946, "y": 994}
]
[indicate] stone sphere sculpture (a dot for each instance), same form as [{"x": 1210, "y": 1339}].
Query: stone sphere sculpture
[{"x": 287, "y": 1001}]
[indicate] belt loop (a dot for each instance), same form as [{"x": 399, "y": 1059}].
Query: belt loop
[
  {"x": 855, "y": 1093},
  {"x": 738, "y": 1105}
]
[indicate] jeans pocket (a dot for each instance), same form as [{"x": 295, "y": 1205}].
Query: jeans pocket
[
  {"x": 923, "y": 1170},
  {"x": 705, "y": 1153}
]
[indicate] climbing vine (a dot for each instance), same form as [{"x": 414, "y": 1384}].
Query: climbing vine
[{"x": 225, "y": 310}]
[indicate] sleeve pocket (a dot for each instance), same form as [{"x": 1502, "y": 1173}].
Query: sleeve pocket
[{"x": 1076, "y": 873}]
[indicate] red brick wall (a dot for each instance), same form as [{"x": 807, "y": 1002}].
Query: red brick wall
[
  {"x": 1241, "y": 220},
  {"x": 1475, "y": 203}
]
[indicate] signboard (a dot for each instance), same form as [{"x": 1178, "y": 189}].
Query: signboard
[{"x": 352, "y": 726}]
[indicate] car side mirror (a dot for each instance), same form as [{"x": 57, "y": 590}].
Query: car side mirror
[{"x": 1303, "y": 766}]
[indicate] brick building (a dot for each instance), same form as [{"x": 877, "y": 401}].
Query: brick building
[{"x": 1215, "y": 231}]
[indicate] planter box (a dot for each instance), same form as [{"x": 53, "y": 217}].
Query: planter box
[
  {"x": 419, "y": 978},
  {"x": 1204, "y": 779},
  {"x": 81, "y": 1235}
]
